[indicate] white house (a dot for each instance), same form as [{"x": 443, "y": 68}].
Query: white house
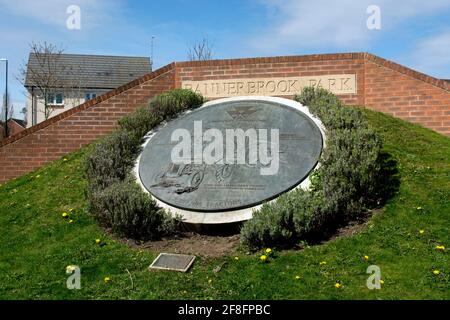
[{"x": 73, "y": 79}]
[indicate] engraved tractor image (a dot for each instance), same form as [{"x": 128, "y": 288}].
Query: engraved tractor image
[{"x": 188, "y": 177}]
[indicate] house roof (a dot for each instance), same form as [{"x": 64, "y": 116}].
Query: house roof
[
  {"x": 20, "y": 122},
  {"x": 90, "y": 71}
]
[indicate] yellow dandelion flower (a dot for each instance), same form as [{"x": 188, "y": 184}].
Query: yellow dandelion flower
[
  {"x": 236, "y": 258},
  {"x": 366, "y": 258},
  {"x": 381, "y": 281},
  {"x": 338, "y": 285},
  {"x": 297, "y": 277},
  {"x": 263, "y": 258},
  {"x": 322, "y": 263},
  {"x": 421, "y": 231},
  {"x": 419, "y": 208},
  {"x": 268, "y": 250},
  {"x": 209, "y": 281},
  {"x": 38, "y": 176},
  {"x": 64, "y": 214},
  {"x": 107, "y": 279},
  {"x": 70, "y": 221},
  {"x": 436, "y": 272},
  {"x": 64, "y": 159},
  {"x": 440, "y": 248},
  {"x": 97, "y": 241}
]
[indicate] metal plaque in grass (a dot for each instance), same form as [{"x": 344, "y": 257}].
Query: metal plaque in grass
[{"x": 173, "y": 262}]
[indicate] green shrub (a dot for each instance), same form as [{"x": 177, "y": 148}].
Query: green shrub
[
  {"x": 342, "y": 188},
  {"x": 279, "y": 222},
  {"x": 273, "y": 223},
  {"x": 330, "y": 110},
  {"x": 170, "y": 104},
  {"x": 349, "y": 171},
  {"x": 132, "y": 213},
  {"x": 139, "y": 122},
  {"x": 317, "y": 99},
  {"x": 161, "y": 108},
  {"x": 114, "y": 200},
  {"x": 111, "y": 159}
]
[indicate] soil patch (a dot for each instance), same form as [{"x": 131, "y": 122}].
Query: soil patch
[{"x": 192, "y": 243}]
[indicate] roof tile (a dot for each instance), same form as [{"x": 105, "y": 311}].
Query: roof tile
[{"x": 92, "y": 71}]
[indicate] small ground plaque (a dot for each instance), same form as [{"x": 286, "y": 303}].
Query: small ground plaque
[{"x": 173, "y": 262}]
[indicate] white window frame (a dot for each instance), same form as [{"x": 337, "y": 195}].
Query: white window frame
[{"x": 53, "y": 102}]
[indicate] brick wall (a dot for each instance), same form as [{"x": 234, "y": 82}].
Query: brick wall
[
  {"x": 381, "y": 85},
  {"x": 409, "y": 95}
]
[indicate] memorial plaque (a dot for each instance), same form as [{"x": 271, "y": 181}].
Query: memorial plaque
[
  {"x": 292, "y": 139},
  {"x": 174, "y": 262}
]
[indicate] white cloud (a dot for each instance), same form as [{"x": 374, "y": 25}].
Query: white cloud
[
  {"x": 299, "y": 24},
  {"x": 432, "y": 55}
]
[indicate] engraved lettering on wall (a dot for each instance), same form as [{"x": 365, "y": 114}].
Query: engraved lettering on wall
[{"x": 338, "y": 84}]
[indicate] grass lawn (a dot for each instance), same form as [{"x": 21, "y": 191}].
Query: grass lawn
[{"x": 37, "y": 243}]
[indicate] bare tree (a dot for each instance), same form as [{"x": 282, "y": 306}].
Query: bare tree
[
  {"x": 10, "y": 108},
  {"x": 201, "y": 50},
  {"x": 48, "y": 75},
  {"x": 43, "y": 76},
  {"x": 11, "y": 112},
  {"x": 9, "y": 115},
  {"x": 24, "y": 111}
]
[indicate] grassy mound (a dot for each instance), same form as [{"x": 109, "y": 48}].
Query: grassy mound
[{"x": 37, "y": 242}]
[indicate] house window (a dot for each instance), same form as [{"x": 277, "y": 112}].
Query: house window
[
  {"x": 55, "y": 99},
  {"x": 90, "y": 95}
]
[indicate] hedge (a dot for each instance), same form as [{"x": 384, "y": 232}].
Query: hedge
[
  {"x": 342, "y": 189},
  {"x": 114, "y": 198}
]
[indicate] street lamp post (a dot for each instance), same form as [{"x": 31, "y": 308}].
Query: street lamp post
[
  {"x": 151, "y": 53},
  {"x": 6, "y": 97}
]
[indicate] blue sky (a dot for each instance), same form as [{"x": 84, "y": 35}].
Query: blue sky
[{"x": 415, "y": 33}]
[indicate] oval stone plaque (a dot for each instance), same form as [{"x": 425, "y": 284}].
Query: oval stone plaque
[{"x": 237, "y": 153}]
